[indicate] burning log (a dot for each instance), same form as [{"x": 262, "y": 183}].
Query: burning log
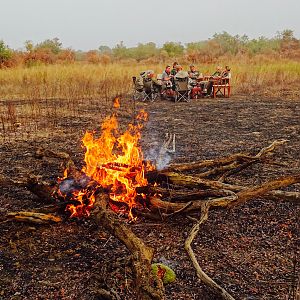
[{"x": 148, "y": 286}]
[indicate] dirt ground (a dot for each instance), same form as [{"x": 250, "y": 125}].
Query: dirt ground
[{"x": 252, "y": 251}]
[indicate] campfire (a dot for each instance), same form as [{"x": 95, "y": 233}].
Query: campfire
[{"x": 114, "y": 163}]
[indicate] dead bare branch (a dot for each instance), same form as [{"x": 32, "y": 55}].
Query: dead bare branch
[
  {"x": 200, "y": 273},
  {"x": 231, "y": 164}
]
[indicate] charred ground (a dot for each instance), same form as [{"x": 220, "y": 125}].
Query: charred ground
[{"x": 252, "y": 251}]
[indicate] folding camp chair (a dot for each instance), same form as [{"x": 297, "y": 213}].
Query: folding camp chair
[
  {"x": 182, "y": 89},
  {"x": 149, "y": 92}
]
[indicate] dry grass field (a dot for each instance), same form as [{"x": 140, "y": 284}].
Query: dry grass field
[{"x": 72, "y": 85}]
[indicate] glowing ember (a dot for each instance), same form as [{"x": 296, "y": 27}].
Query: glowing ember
[
  {"x": 117, "y": 102},
  {"x": 115, "y": 162}
]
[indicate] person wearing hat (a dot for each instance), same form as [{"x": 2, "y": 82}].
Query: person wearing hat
[
  {"x": 180, "y": 73},
  {"x": 151, "y": 76}
]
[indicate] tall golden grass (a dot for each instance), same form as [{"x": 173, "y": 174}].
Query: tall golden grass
[
  {"x": 39, "y": 95},
  {"x": 87, "y": 81}
]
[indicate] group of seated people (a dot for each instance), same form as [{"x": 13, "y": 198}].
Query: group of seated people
[{"x": 197, "y": 83}]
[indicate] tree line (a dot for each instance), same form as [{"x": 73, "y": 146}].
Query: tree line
[{"x": 51, "y": 51}]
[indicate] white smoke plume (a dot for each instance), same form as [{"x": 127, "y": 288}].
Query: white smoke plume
[{"x": 160, "y": 154}]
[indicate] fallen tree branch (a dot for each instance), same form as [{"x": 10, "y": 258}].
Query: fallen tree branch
[
  {"x": 200, "y": 273},
  {"x": 283, "y": 195},
  {"x": 148, "y": 286},
  {"x": 231, "y": 164},
  {"x": 205, "y": 163},
  {"x": 192, "y": 181},
  {"x": 235, "y": 170},
  {"x": 178, "y": 211},
  {"x": 254, "y": 192},
  {"x": 242, "y": 197},
  {"x": 263, "y": 190},
  {"x": 170, "y": 208}
]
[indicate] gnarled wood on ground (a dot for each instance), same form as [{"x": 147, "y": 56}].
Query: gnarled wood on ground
[
  {"x": 245, "y": 195},
  {"x": 241, "y": 197},
  {"x": 226, "y": 166},
  {"x": 42, "y": 152},
  {"x": 238, "y": 198},
  {"x": 195, "y": 182},
  {"x": 148, "y": 286}
]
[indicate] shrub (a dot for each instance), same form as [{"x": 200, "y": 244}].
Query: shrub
[{"x": 5, "y": 54}]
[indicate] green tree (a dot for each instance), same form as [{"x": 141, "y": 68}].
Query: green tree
[
  {"x": 143, "y": 51},
  {"x": 29, "y": 46},
  {"x": 287, "y": 41},
  {"x": 285, "y": 35},
  {"x": 54, "y": 45},
  {"x": 262, "y": 45},
  {"x": 173, "y": 49},
  {"x": 103, "y": 49},
  {"x": 195, "y": 50},
  {"x": 195, "y": 46},
  {"x": 120, "y": 51},
  {"x": 228, "y": 43},
  {"x": 5, "y": 53}
]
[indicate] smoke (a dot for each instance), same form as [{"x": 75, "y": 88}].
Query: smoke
[
  {"x": 70, "y": 185},
  {"x": 159, "y": 158},
  {"x": 160, "y": 146}
]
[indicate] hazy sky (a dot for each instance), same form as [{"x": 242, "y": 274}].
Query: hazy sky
[{"x": 90, "y": 23}]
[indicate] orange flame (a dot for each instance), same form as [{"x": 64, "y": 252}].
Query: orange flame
[
  {"x": 82, "y": 208},
  {"x": 114, "y": 161},
  {"x": 117, "y": 102}
]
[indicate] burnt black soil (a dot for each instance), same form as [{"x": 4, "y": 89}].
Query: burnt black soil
[{"x": 252, "y": 251}]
